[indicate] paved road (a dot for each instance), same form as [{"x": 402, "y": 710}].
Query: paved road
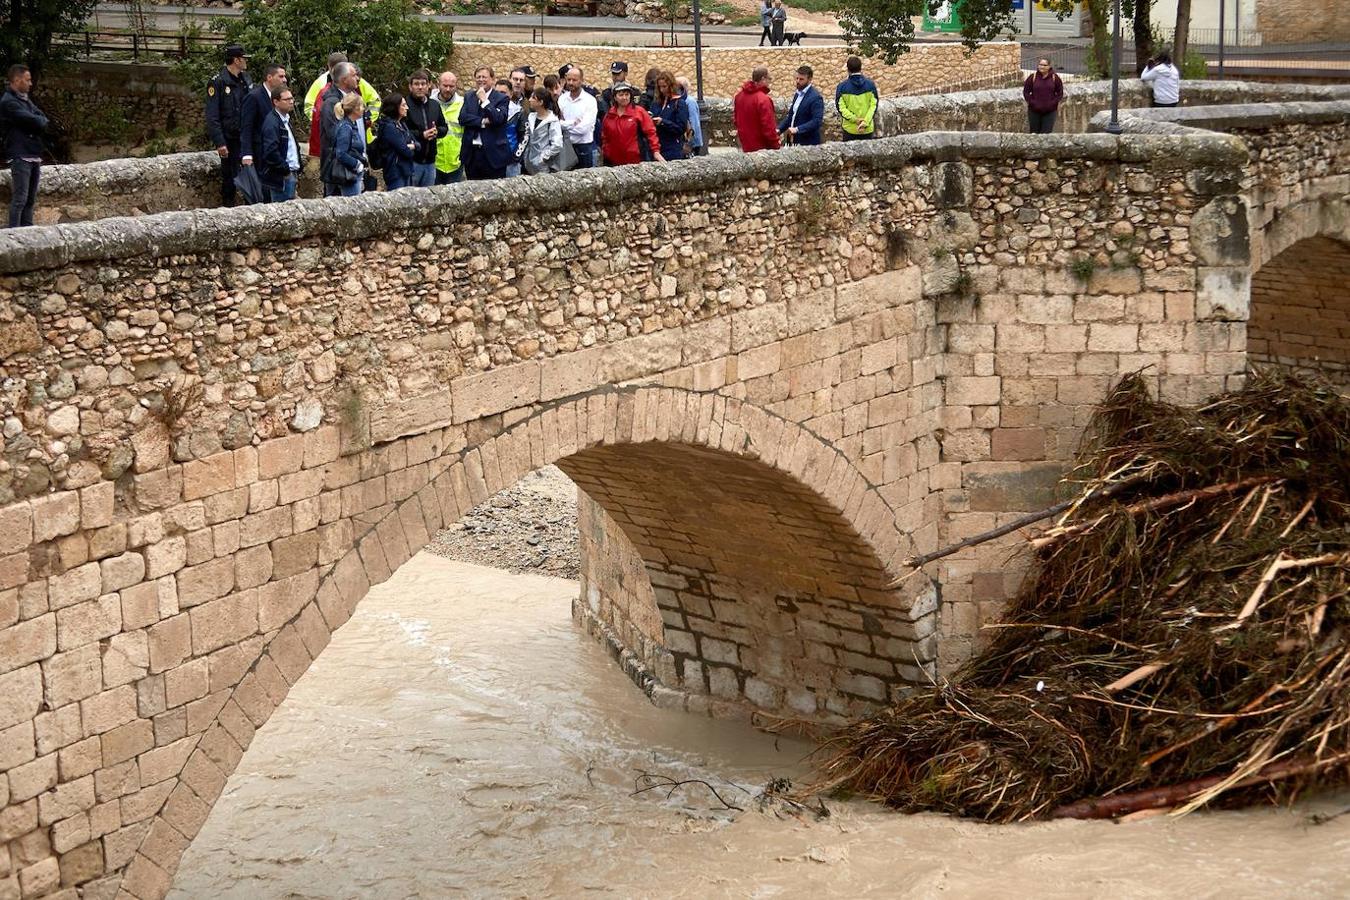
[{"x": 554, "y": 30}]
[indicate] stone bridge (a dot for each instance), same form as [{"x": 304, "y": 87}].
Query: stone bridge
[{"x": 774, "y": 377}]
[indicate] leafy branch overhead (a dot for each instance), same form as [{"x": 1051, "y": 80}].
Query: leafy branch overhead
[
  {"x": 885, "y": 28},
  {"x": 384, "y": 37}
]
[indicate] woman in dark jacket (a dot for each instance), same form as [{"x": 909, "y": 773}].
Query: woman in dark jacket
[
  {"x": 670, "y": 115},
  {"x": 397, "y": 144},
  {"x": 349, "y": 147},
  {"x": 1043, "y": 92}
]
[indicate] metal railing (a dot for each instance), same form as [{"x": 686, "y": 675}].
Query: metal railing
[{"x": 152, "y": 44}]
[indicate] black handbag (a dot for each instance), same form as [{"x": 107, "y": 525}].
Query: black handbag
[{"x": 644, "y": 145}]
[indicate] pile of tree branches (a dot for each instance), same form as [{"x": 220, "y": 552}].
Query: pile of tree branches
[{"x": 1183, "y": 640}]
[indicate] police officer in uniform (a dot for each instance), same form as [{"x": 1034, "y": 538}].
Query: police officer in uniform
[{"x": 225, "y": 94}]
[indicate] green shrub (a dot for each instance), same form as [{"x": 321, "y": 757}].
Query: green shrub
[
  {"x": 1194, "y": 66},
  {"x": 384, "y": 37}
]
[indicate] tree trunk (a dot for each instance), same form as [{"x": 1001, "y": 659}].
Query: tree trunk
[
  {"x": 1182, "y": 32},
  {"x": 1143, "y": 35},
  {"x": 1100, "y": 16}
]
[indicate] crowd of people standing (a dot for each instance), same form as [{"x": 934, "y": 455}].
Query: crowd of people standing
[{"x": 502, "y": 126}]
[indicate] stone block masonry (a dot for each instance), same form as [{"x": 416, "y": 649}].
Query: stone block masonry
[{"x": 774, "y": 376}]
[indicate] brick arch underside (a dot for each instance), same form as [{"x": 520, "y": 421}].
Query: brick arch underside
[
  {"x": 764, "y": 592},
  {"x": 1300, "y": 309},
  {"x": 717, "y": 495}
]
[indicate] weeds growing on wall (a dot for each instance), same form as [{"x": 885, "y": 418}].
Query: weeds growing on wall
[
  {"x": 1082, "y": 268},
  {"x": 1183, "y": 641}
]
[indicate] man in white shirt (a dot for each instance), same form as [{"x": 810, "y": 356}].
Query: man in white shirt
[
  {"x": 578, "y": 115},
  {"x": 1165, "y": 78}
]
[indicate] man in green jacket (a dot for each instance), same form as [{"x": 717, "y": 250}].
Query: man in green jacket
[
  {"x": 856, "y": 100},
  {"x": 448, "y": 167}
]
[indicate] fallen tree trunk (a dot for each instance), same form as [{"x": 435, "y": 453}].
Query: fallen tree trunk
[{"x": 1174, "y": 794}]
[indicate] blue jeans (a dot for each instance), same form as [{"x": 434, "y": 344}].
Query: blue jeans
[
  {"x": 353, "y": 189},
  {"x": 24, "y": 188},
  {"x": 424, "y": 174},
  {"x": 287, "y": 191},
  {"x": 585, "y": 155},
  {"x": 450, "y": 177}
]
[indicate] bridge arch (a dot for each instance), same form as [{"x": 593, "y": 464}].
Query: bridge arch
[
  {"x": 704, "y": 488},
  {"x": 1299, "y": 313}
]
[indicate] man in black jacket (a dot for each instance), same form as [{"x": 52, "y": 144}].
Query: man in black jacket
[
  {"x": 427, "y": 123},
  {"x": 257, "y": 107},
  {"x": 23, "y": 126},
  {"x": 225, "y": 94}
]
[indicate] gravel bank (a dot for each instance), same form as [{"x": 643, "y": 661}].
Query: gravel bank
[{"x": 530, "y": 527}]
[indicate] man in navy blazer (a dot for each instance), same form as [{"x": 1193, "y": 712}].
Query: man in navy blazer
[
  {"x": 485, "y": 151},
  {"x": 257, "y": 107},
  {"x": 801, "y": 125}
]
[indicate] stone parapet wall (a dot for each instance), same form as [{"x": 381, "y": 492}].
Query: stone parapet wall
[
  {"x": 1006, "y": 110},
  {"x": 186, "y": 181},
  {"x": 124, "y": 187},
  {"x": 927, "y": 67}
]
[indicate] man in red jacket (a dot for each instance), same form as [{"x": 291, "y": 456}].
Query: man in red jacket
[{"x": 752, "y": 111}]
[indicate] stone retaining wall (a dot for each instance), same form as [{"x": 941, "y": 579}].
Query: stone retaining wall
[
  {"x": 116, "y": 101},
  {"x": 927, "y": 67}
]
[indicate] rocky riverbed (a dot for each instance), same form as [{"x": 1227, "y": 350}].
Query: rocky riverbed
[{"x": 529, "y": 527}]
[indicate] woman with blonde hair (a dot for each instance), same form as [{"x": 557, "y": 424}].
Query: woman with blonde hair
[{"x": 349, "y": 147}]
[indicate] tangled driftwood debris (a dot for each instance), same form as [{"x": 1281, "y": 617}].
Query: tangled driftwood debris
[{"x": 1184, "y": 638}]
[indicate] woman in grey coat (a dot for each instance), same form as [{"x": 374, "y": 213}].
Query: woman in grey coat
[{"x": 543, "y": 144}]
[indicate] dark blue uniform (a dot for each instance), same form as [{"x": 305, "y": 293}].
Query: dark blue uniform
[{"x": 225, "y": 94}]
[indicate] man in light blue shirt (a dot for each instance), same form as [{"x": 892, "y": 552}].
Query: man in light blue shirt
[{"x": 280, "y": 165}]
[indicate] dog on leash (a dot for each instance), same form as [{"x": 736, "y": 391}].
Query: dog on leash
[{"x": 794, "y": 38}]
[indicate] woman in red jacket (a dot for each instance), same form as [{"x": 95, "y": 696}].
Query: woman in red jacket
[{"x": 619, "y": 134}]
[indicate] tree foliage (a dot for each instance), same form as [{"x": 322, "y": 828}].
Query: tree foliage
[
  {"x": 27, "y": 27},
  {"x": 885, "y": 28},
  {"x": 384, "y": 37}
]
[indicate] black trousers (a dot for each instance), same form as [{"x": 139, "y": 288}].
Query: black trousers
[
  {"x": 476, "y": 166},
  {"x": 767, "y": 35},
  {"x": 23, "y": 191},
  {"x": 229, "y": 167},
  {"x": 1041, "y": 122},
  {"x": 859, "y": 137}
]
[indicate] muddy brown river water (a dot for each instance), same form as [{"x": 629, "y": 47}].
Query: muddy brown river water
[{"x": 461, "y": 737}]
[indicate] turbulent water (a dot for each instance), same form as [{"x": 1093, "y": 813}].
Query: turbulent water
[{"x": 461, "y": 737}]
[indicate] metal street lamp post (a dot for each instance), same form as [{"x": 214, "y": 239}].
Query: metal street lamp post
[
  {"x": 1113, "y": 127},
  {"x": 698, "y": 53}
]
